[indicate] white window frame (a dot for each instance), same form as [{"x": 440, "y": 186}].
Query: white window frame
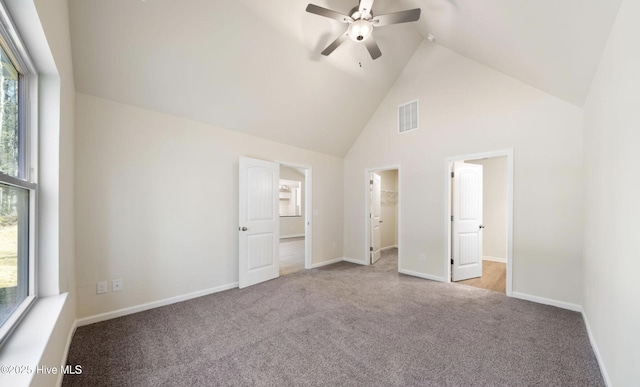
[{"x": 27, "y": 178}]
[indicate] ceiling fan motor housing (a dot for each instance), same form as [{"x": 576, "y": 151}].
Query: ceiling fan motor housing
[{"x": 360, "y": 30}]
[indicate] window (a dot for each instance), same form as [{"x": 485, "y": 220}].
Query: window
[{"x": 18, "y": 186}]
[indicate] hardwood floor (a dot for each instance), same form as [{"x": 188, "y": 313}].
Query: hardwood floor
[
  {"x": 494, "y": 277},
  {"x": 291, "y": 255}
]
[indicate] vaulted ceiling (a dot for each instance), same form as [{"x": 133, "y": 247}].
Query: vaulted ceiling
[{"x": 255, "y": 66}]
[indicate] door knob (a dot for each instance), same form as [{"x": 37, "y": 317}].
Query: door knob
[
  {"x": 481, "y": 226},
  {"x": 244, "y": 229}
]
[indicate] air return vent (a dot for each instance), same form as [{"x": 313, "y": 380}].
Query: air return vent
[{"x": 408, "y": 117}]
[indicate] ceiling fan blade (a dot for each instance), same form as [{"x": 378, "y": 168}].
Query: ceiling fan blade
[
  {"x": 311, "y": 8},
  {"x": 335, "y": 44},
  {"x": 365, "y": 6},
  {"x": 373, "y": 48},
  {"x": 409, "y": 15}
]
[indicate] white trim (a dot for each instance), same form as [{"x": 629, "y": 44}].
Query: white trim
[
  {"x": 325, "y": 263},
  {"x": 65, "y": 355},
  {"x": 291, "y": 236},
  {"x": 151, "y": 305},
  {"x": 422, "y": 275},
  {"x": 30, "y": 340},
  {"x": 547, "y": 301},
  {"x": 447, "y": 210},
  {"x": 356, "y": 261},
  {"x": 494, "y": 259},
  {"x": 389, "y": 247},
  {"x": 596, "y": 351}
]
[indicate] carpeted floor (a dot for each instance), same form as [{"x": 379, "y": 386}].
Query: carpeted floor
[{"x": 340, "y": 325}]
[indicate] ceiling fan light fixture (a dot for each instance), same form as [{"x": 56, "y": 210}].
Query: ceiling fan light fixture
[{"x": 360, "y": 30}]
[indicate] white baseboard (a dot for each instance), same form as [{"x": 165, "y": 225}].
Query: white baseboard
[
  {"x": 596, "y": 352},
  {"x": 291, "y": 236},
  {"x": 422, "y": 275},
  {"x": 389, "y": 247},
  {"x": 356, "y": 261},
  {"x": 329, "y": 262},
  {"x": 72, "y": 331},
  {"x": 494, "y": 259},
  {"x": 547, "y": 301},
  {"x": 151, "y": 305}
]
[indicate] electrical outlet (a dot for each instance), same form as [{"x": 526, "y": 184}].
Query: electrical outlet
[
  {"x": 116, "y": 284},
  {"x": 101, "y": 287},
  {"x": 423, "y": 257}
]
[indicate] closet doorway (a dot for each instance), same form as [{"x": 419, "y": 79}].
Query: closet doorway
[{"x": 383, "y": 213}]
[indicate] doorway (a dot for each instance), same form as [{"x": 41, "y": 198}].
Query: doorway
[
  {"x": 479, "y": 193},
  {"x": 382, "y": 198},
  {"x": 294, "y": 203}
]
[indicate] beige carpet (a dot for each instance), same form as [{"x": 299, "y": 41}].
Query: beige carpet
[{"x": 340, "y": 325}]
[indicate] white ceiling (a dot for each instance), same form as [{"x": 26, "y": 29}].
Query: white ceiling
[{"x": 254, "y": 66}]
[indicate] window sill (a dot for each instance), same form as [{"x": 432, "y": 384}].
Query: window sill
[{"x": 23, "y": 350}]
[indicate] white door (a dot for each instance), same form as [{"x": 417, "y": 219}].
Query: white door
[
  {"x": 374, "y": 217},
  {"x": 259, "y": 221},
  {"x": 467, "y": 221}
]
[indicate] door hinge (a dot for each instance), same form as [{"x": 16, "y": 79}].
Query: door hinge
[
  {"x": 370, "y": 248},
  {"x": 371, "y": 182},
  {"x": 370, "y": 216},
  {"x": 452, "y": 174},
  {"x": 452, "y": 261},
  {"x": 452, "y": 218}
]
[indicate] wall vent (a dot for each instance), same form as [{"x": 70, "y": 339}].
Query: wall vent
[{"x": 408, "y": 117}]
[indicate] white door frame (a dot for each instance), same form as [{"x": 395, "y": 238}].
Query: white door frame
[
  {"x": 367, "y": 209},
  {"x": 308, "y": 242},
  {"x": 447, "y": 210}
]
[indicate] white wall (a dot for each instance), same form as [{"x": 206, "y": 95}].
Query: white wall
[
  {"x": 494, "y": 207},
  {"x": 389, "y": 211},
  {"x": 58, "y": 164},
  {"x": 293, "y": 225},
  {"x": 54, "y": 16},
  {"x": 467, "y": 108},
  {"x": 612, "y": 189},
  {"x": 157, "y": 203}
]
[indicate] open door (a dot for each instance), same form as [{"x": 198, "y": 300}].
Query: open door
[
  {"x": 259, "y": 235},
  {"x": 466, "y": 224},
  {"x": 374, "y": 216}
]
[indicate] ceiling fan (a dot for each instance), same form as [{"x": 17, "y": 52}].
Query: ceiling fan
[{"x": 361, "y": 23}]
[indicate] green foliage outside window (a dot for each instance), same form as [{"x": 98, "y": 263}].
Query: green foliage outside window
[{"x": 9, "y": 164}]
